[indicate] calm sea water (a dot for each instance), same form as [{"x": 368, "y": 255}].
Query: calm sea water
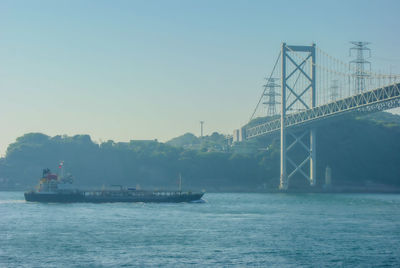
[{"x": 264, "y": 230}]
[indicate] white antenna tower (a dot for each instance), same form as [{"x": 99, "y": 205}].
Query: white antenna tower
[{"x": 201, "y": 129}]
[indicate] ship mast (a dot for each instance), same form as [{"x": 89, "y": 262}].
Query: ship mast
[
  {"x": 61, "y": 167},
  {"x": 180, "y": 182}
]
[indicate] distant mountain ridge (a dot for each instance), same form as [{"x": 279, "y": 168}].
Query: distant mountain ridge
[{"x": 362, "y": 151}]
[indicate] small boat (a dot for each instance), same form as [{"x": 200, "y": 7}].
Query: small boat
[{"x": 51, "y": 190}]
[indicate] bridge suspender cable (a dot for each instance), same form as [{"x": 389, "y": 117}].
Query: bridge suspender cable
[
  {"x": 259, "y": 101},
  {"x": 335, "y": 78},
  {"x": 335, "y": 92}
]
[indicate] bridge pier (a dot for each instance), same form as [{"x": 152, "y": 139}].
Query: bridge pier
[
  {"x": 284, "y": 182},
  {"x": 299, "y": 139},
  {"x": 313, "y": 157}
]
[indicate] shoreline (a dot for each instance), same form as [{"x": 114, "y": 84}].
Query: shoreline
[{"x": 277, "y": 191}]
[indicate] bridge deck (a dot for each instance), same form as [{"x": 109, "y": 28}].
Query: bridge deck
[{"x": 369, "y": 101}]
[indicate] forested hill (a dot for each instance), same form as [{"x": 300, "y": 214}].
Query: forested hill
[{"x": 362, "y": 152}]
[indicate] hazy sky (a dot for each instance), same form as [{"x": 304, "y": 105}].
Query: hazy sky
[{"x": 125, "y": 70}]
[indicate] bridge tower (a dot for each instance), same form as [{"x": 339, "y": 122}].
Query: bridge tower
[{"x": 295, "y": 60}]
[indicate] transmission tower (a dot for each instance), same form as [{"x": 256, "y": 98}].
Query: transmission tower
[
  {"x": 269, "y": 95},
  {"x": 334, "y": 90},
  {"x": 359, "y": 63}
]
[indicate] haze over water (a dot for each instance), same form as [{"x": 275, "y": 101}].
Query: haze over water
[{"x": 265, "y": 230}]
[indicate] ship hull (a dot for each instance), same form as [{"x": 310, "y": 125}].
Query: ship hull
[
  {"x": 144, "y": 199},
  {"x": 54, "y": 197},
  {"x": 80, "y": 197}
]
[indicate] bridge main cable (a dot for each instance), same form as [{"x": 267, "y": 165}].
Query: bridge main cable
[{"x": 259, "y": 101}]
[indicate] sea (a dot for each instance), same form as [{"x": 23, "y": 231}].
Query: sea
[{"x": 227, "y": 230}]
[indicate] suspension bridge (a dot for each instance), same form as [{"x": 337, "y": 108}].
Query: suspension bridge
[{"x": 315, "y": 86}]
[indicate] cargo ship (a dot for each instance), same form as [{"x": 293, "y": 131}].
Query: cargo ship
[{"x": 51, "y": 190}]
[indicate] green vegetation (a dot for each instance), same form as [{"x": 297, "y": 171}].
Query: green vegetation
[
  {"x": 214, "y": 142},
  {"x": 362, "y": 152}
]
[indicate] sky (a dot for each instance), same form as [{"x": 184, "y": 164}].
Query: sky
[{"x": 127, "y": 70}]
